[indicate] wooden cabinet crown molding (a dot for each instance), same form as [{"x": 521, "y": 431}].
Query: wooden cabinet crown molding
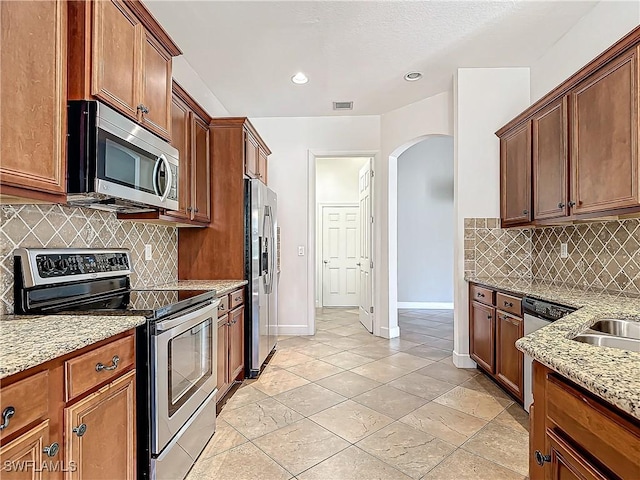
[
  {"x": 183, "y": 95},
  {"x": 609, "y": 54},
  {"x": 236, "y": 122},
  {"x": 152, "y": 25}
]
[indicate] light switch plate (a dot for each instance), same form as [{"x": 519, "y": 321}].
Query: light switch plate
[
  {"x": 564, "y": 253},
  {"x": 301, "y": 250},
  {"x": 147, "y": 252}
]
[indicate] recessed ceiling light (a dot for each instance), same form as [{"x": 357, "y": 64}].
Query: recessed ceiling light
[
  {"x": 299, "y": 78},
  {"x": 413, "y": 76}
]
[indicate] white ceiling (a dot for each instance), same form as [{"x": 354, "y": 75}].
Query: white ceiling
[{"x": 247, "y": 51}]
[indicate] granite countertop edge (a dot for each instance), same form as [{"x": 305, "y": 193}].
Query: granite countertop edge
[
  {"x": 611, "y": 374},
  {"x": 221, "y": 287},
  {"x": 29, "y": 341}
]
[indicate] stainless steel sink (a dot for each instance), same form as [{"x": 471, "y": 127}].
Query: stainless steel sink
[
  {"x": 619, "y": 328},
  {"x": 612, "y": 341}
]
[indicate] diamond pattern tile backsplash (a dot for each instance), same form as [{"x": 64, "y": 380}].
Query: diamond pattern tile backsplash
[
  {"x": 58, "y": 226},
  {"x": 601, "y": 255}
]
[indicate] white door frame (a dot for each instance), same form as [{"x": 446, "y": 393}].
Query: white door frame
[
  {"x": 319, "y": 240},
  {"x": 312, "y": 155}
]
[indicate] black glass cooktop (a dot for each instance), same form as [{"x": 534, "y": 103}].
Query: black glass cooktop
[{"x": 156, "y": 304}]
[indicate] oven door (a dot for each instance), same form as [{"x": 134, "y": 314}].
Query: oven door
[{"x": 183, "y": 370}]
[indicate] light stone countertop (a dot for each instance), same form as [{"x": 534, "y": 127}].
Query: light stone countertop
[
  {"x": 28, "y": 341},
  {"x": 222, "y": 287},
  {"x": 610, "y": 373}
]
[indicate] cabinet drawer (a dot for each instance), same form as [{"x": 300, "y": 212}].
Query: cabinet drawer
[
  {"x": 610, "y": 438},
  {"x": 481, "y": 294},
  {"x": 29, "y": 399},
  {"x": 237, "y": 299},
  {"x": 223, "y": 308},
  {"x": 93, "y": 368},
  {"x": 509, "y": 304}
]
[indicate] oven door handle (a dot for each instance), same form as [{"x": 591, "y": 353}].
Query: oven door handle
[{"x": 183, "y": 320}]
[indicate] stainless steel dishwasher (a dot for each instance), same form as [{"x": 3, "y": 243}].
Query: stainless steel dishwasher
[{"x": 538, "y": 314}]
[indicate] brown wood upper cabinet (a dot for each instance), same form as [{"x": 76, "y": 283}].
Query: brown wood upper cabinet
[
  {"x": 515, "y": 175},
  {"x": 551, "y": 161},
  {"x": 190, "y": 125},
  {"x": 585, "y": 152},
  {"x": 33, "y": 118},
  {"x": 255, "y": 156},
  {"x": 604, "y": 137},
  {"x": 119, "y": 54}
]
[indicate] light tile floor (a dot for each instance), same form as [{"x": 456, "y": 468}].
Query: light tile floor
[{"x": 345, "y": 405}]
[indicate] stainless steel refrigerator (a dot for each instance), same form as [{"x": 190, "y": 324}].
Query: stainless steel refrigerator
[{"x": 261, "y": 322}]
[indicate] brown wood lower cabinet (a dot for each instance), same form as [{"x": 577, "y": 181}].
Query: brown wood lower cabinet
[
  {"x": 101, "y": 434},
  {"x": 90, "y": 436},
  {"x": 230, "y": 341},
  {"x": 493, "y": 333},
  {"x": 509, "y": 360},
  {"x": 26, "y": 451},
  {"x": 483, "y": 335},
  {"x": 576, "y": 435}
]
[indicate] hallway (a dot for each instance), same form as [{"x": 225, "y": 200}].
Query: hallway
[{"x": 344, "y": 405}]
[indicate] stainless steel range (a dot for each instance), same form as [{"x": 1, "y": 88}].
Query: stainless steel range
[{"x": 175, "y": 359}]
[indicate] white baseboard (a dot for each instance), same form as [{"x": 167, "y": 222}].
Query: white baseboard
[
  {"x": 293, "y": 330},
  {"x": 463, "y": 360},
  {"x": 426, "y": 305},
  {"x": 386, "y": 332}
]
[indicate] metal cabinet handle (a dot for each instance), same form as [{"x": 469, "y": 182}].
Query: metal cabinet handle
[
  {"x": 143, "y": 108},
  {"x": 541, "y": 459},
  {"x": 189, "y": 209},
  {"x": 525, "y": 212},
  {"x": 508, "y": 304},
  {"x": 561, "y": 205},
  {"x": 572, "y": 204},
  {"x": 51, "y": 450},
  {"x": 7, "y": 413},
  {"x": 488, "y": 317},
  {"x": 481, "y": 295},
  {"x": 115, "y": 360},
  {"x": 80, "y": 430},
  {"x": 220, "y": 307},
  {"x": 196, "y": 210}
]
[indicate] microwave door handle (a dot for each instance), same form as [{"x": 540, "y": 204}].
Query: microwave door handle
[
  {"x": 156, "y": 167},
  {"x": 169, "y": 174}
]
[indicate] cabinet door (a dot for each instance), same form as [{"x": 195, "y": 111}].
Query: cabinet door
[
  {"x": 223, "y": 355},
  {"x": 509, "y": 360},
  {"x": 236, "y": 342},
  {"x": 482, "y": 335},
  {"x": 515, "y": 176},
  {"x": 567, "y": 464},
  {"x": 551, "y": 161},
  {"x": 181, "y": 140},
  {"x": 604, "y": 137},
  {"x": 104, "y": 448},
  {"x": 200, "y": 181},
  {"x": 262, "y": 165},
  {"x": 33, "y": 95},
  {"x": 251, "y": 153},
  {"x": 156, "y": 88},
  {"x": 115, "y": 62},
  {"x": 18, "y": 457}
]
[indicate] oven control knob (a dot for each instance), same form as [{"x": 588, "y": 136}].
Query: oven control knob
[
  {"x": 122, "y": 260},
  {"x": 113, "y": 261},
  {"x": 62, "y": 264},
  {"x": 47, "y": 265}
]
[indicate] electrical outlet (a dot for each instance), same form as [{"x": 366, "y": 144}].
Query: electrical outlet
[
  {"x": 147, "y": 252},
  {"x": 564, "y": 253},
  {"x": 301, "y": 250}
]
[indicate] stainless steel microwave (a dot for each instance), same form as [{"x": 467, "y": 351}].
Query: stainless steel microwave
[{"x": 115, "y": 164}]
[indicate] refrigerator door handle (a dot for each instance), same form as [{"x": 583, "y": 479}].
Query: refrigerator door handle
[{"x": 269, "y": 245}]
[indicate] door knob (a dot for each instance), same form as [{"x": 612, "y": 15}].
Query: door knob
[
  {"x": 358, "y": 264},
  {"x": 325, "y": 261}
]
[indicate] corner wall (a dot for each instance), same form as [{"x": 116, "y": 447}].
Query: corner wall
[{"x": 485, "y": 100}]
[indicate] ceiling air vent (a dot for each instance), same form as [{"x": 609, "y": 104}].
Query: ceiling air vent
[{"x": 343, "y": 105}]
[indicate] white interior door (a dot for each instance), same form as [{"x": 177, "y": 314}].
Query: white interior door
[
  {"x": 365, "y": 262},
  {"x": 340, "y": 239}
]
